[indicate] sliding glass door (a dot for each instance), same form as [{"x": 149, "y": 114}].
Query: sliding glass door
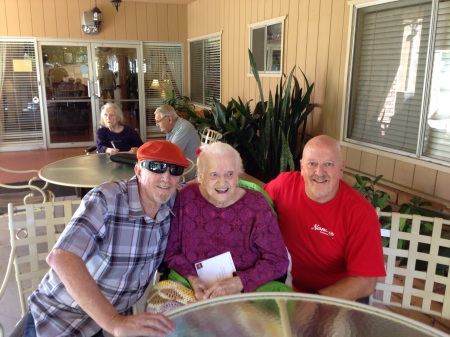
[{"x": 78, "y": 78}]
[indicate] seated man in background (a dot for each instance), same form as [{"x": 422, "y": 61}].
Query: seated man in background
[
  {"x": 114, "y": 137},
  {"x": 330, "y": 230},
  {"x": 108, "y": 253},
  {"x": 178, "y": 131},
  {"x": 215, "y": 216}
]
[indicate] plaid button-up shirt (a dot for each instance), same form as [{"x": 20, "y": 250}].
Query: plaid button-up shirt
[{"x": 121, "y": 246}]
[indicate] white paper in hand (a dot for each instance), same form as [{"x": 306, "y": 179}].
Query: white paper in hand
[{"x": 215, "y": 268}]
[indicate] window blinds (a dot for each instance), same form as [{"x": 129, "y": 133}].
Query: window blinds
[
  {"x": 388, "y": 75},
  {"x": 163, "y": 72},
  {"x": 20, "y": 118},
  {"x": 205, "y": 70},
  {"x": 393, "y": 88}
]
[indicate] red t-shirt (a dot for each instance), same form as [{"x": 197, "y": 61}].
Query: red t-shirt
[{"x": 328, "y": 241}]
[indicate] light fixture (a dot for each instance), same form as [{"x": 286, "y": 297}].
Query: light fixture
[
  {"x": 155, "y": 84},
  {"x": 97, "y": 16},
  {"x": 116, "y": 4}
]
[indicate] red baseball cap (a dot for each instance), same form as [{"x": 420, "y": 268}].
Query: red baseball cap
[{"x": 162, "y": 150}]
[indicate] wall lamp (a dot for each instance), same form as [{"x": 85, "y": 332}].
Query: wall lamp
[{"x": 116, "y": 4}]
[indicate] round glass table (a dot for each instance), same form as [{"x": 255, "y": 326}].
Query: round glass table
[
  {"x": 288, "y": 315},
  {"x": 86, "y": 171}
]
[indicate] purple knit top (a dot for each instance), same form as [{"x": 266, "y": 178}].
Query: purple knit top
[{"x": 248, "y": 229}]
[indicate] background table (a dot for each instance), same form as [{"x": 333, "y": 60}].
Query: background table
[
  {"x": 86, "y": 171},
  {"x": 287, "y": 315}
]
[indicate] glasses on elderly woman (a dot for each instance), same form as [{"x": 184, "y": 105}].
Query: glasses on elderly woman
[{"x": 161, "y": 167}]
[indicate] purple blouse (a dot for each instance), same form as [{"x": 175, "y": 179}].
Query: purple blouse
[
  {"x": 124, "y": 140},
  {"x": 248, "y": 229}
]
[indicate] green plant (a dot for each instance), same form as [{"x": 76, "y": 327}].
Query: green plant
[
  {"x": 366, "y": 187},
  {"x": 267, "y": 137},
  {"x": 180, "y": 103}
]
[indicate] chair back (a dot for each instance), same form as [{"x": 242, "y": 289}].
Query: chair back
[
  {"x": 417, "y": 265},
  {"x": 209, "y": 136},
  {"x": 34, "y": 230},
  {"x": 188, "y": 170},
  {"x": 30, "y": 192}
]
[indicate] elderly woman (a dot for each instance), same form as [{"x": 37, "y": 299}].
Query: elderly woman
[
  {"x": 114, "y": 137},
  {"x": 215, "y": 216}
]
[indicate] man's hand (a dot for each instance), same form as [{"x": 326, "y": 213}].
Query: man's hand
[
  {"x": 144, "y": 324},
  {"x": 224, "y": 287}
]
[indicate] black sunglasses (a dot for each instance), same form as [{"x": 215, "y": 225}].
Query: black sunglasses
[{"x": 161, "y": 167}]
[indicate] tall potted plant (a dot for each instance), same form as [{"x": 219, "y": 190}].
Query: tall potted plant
[{"x": 266, "y": 138}]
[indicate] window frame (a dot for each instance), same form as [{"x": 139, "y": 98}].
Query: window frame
[
  {"x": 264, "y": 24},
  {"x": 205, "y": 38},
  {"x": 419, "y": 154}
]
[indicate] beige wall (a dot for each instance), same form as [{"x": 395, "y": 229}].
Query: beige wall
[
  {"x": 316, "y": 34},
  {"x": 62, "y": 19},
  {"x": 315, "y": 40},
  {"x": 314, "y": 31}
]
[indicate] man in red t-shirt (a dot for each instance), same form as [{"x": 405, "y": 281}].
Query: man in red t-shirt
[{"x": 330, "y": 230}]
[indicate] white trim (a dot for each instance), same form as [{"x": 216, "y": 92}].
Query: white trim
[
  {"x": 208, "y": 36},
  {"x": 267, "y": 22},
  {"x": 423, "y": 162}
]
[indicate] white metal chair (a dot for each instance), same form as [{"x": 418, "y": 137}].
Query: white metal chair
[
  {"x": 187, "y": 171},
  {"x": 209, "y": 136},
  {"x": 33, "y": 192},
  {"x": 34, "y": 229},
  {"x": 414, "y": 266}
]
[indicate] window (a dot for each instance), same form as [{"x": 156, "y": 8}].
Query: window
[
  {"x": 163, "y": 72},
  {"x": 20, "y": 113},
  {"x": 266, "y": 44},
  {"x": 204, "y": 62},
  {"x": 399, "y": 95}
]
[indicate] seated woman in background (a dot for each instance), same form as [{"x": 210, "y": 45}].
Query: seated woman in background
[
  {"x": 215, "y": 216},
  {"x": 114, "y": 137}
]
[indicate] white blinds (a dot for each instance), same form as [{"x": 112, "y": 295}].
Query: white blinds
[
  {"x": 20, "y": 118},
  {"x": 196, "y": 71},
  {"x": 205, "y": 70},
  {"x": 163, "y": 72},
  {"x": 388, "y": 75},
  {"x": 437, "y": 136}
]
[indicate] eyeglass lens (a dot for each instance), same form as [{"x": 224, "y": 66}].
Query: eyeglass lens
[{"x": 161, "y": 167}]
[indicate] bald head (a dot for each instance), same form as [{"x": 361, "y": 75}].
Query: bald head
[{"x": 323, "y": 142}]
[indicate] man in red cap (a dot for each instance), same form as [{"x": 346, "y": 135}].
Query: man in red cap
[{"x": 108, "y": 253}]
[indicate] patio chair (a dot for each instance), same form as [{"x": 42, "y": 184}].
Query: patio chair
[
  {"x": 417, "y": 265},
  {"x": 209, "y": 136},
  {"x": 27, "y": 193},
  {"x": 34, "y": 229}
]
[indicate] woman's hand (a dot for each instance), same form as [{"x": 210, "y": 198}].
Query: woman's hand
[
  {"x": 198, "y": 286},
  {"x": 111, "y": 150},
  {"x": 133, "y": 150},
  {"x": 224, "y": 287}
]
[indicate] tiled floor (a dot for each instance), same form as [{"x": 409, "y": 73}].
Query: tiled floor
[{"x": 9, "y": 305}]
